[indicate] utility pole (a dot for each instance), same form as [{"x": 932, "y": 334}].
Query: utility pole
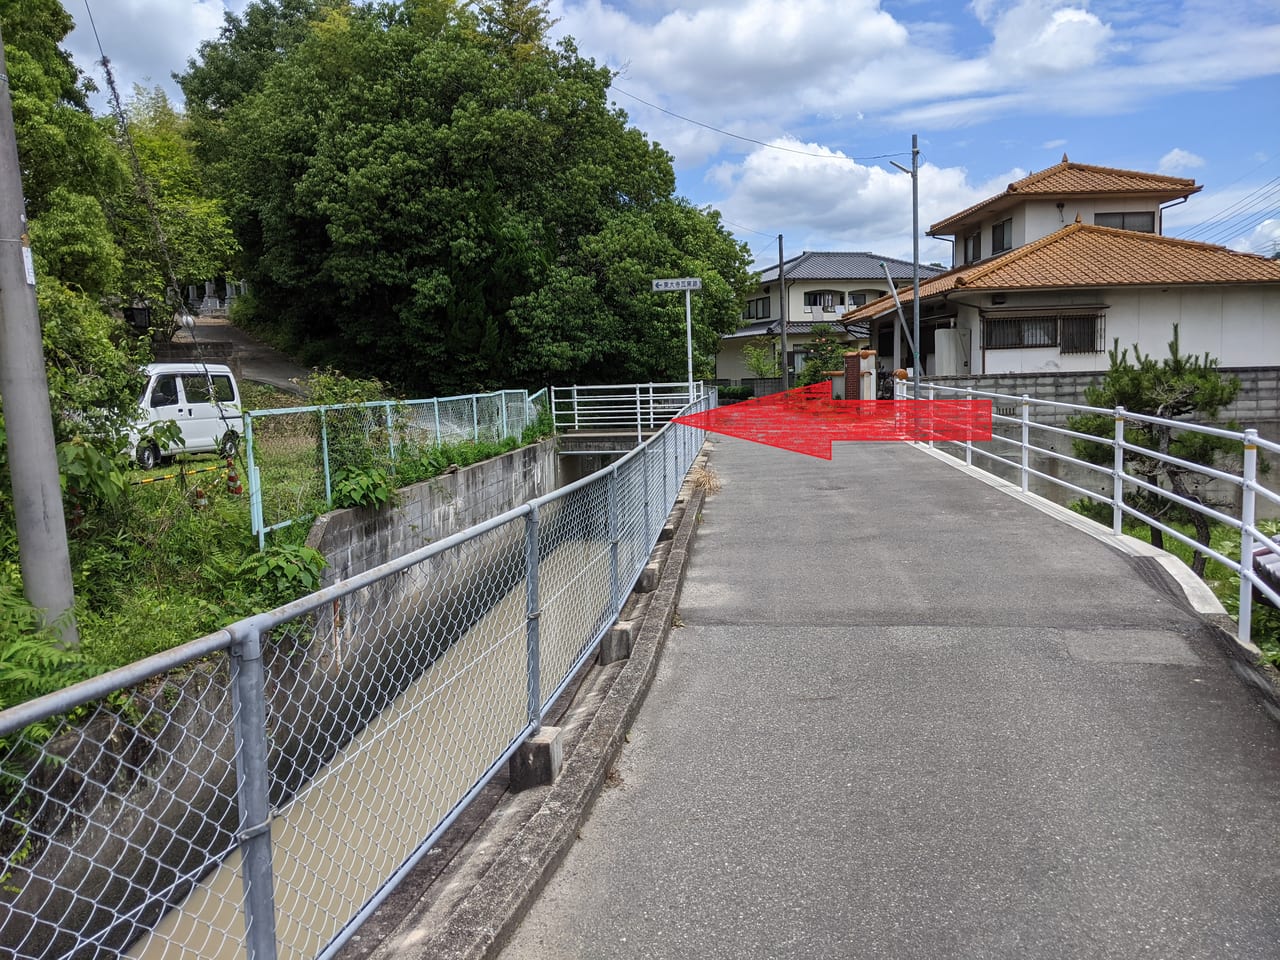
[
  {"x": 915, "y": 253},
  {"x": 782, "y": 302},
  {"x": 24, "y": 390}
]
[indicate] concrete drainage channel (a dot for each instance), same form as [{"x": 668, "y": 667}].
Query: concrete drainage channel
[{"x": 468, "y": 894}]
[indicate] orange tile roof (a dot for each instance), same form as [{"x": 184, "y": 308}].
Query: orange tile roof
[
  {"x": 1084, "y": 255},
  {"x": 1079, "y": 179}
]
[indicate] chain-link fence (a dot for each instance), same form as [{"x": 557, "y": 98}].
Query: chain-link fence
[
  {"x": 258, "y": 792},
  {"x": 296, "y": 456}
]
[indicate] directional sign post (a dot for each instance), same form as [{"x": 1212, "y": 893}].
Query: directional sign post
[{"x": 686, "y": 284}]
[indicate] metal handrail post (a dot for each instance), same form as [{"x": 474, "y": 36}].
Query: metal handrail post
[
  {"x": 435, "y": 402},
  {"x": 1117, "y": 488},
  {"x": 475, "y": 417},
  {"x": 533, "y": 612},
  {"x": 503, "y": 397},
  {"x": 1026, "y": 442},
  {"x": 575, "y": 406},
  {"x": 639, "y": 419},
  {"x": 1249, "y": 474},
  {"x": 932, "y": 417},
  {"x": 249, "y": 704},
  {"x": 968, "y": 443}
]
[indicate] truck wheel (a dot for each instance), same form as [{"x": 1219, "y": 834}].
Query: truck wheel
[
  {"x": 147, "y": 456},
  {"x": 228, "y": 445}
]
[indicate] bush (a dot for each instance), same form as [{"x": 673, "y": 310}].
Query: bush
[{"x": 734, "y": 394}]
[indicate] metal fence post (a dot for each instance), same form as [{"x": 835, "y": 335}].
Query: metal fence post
[
  {"x": 255, "y": 482},
  {"x": 1249, "y": 474},
  {"x": 475, "y": 417},
  {"x": 648, "y": 510},
  {"x": 575, "y": 406},
  {"x": 255, "y": 507},
  {"x": 533, "y": 655},
  {"x": 391, "y": 433},
  {"x": 1117, "y": 472},
  {"x": 1026, "y": 442},
  {"x": 248, "y": 690},
  {"x": 324, "y": 457},
  {"x": 611, "y": 487},
  {"x": 503, "y": 397}
]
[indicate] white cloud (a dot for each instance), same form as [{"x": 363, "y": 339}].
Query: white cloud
[
  {"x": 1036, "y": 37},
  {"x": 1178, "y": 160},
  {"x": 145, "y": 40},
  {"x": 823, "y": 200}
]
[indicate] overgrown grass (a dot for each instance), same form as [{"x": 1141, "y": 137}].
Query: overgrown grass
[{"x": 1222, "y": 580}]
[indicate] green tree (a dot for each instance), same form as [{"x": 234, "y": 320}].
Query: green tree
[
  {"x": 433, "y": 190},
  {"x": 825, "y": 354},
  {"x": 1178, "y": 388},
  {"x": 177, "y": 233},
  {"x": 761, "y": 355}
]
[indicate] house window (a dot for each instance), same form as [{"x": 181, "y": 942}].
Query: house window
[
  {"x": 1084, "y": 334},
  {"x": 973, "y": 247},
  {"x": 856, "y": 299},
  {"x": 757, "y": 309},
  {"x": 824, "y": 300},
  {"x": 1143, "y": 222},
  {"x": 1002, "y": 236},
  {"x": 1076, "y": 333}
]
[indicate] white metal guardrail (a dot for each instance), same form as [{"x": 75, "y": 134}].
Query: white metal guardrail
[
  {"x": 622, "y": 408},
  {"x": 1027, "y": 429},
  {"x": 260, "y": 791}
]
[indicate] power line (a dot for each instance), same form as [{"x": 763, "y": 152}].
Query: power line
[
  {"x": 748, "y": 229},
  {"x": 759, "y": 143},
  {"x": 1211, "y": 223}
]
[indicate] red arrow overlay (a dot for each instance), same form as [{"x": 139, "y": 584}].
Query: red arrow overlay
[{"x": 808, "y": 420}]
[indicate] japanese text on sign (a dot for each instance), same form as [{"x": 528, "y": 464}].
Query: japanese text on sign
[{"x": 678, "y": 283}]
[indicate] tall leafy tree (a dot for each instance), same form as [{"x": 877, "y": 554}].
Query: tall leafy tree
[{"x": 433, "y": 191}]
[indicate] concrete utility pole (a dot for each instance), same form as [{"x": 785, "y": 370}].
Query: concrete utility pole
[
  {"x": 782, "y": 302},
  {"x": 915, "y": 253},
  {"x": 24, "y": 389}
]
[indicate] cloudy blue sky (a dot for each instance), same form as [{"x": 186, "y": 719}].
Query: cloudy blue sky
[{"x": 784, "y": 114}]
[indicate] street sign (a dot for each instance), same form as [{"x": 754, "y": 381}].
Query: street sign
[{"x": 677, "y": 283}]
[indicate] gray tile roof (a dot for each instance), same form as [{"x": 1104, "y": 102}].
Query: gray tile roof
[{"x": 843, "y": 266}]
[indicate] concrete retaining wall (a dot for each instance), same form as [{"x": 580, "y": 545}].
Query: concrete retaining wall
[{"x": 357, "y": 539}]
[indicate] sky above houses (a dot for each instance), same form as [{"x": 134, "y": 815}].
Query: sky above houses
[{"x": 785, "y": 115}]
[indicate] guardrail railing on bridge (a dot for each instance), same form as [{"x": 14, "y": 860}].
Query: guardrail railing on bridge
[
  {"x": 1026, "y": 431},
  {"x": 258, "y": 792},
  {"x": 622, "y": 408}
]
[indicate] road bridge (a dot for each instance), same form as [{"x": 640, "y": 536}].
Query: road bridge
[{"x": 908, "y": 714}]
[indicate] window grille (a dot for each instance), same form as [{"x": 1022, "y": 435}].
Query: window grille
[{"x": 1074, "y": 333}]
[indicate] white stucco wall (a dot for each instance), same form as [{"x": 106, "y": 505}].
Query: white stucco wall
[{"x": 1238, "y": 325}]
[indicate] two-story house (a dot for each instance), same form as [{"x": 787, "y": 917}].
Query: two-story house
[
  {"x": 1050, "y": 273},
  {"x": 820, "y": 287}
]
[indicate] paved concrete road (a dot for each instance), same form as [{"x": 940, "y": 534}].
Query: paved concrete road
[
  {"x": 258, "y": 362},
  {"x": 909, "y": 716}
]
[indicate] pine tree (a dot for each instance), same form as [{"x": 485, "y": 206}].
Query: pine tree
[{"x": 1177, "y": 388}]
